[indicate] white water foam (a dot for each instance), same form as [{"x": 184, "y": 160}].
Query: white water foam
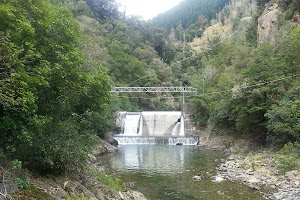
[
  {"x": 131, "y": 124},
  {"x": 156, "y": 140}
]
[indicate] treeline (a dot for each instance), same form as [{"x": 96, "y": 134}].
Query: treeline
[
  {"x": 251, "y": 91},
  {"x": 52, "y": 104},
  {"x": 187, "y": 12},
  {"x": 59, "y": 60},
  {"x": 135, "y": 53}
]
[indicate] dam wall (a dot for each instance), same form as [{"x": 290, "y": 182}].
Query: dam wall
[
  {"x": 151, "y": 123},
  {"x": 160, "y": 123}
]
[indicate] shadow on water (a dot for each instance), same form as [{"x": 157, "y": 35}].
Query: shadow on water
[{"x": 166, "y": 172}]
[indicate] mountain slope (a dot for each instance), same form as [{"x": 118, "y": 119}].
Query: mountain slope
[{"x": 187, "y": 12}]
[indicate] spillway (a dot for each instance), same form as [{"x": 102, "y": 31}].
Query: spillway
[
  {"x": 190, "y": 140},
  {"x": 164, "y": 127}
]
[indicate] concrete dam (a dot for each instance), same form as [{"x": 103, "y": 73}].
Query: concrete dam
[{"x": 153, "y": 127}]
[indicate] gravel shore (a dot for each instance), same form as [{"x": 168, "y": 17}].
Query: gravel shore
[{"x": 259, "y": 172}]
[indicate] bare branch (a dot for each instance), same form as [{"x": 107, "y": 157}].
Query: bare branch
[{"x": 3, "y": 183}]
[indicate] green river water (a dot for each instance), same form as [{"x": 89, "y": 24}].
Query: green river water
[{"x": 166, "y": 172}]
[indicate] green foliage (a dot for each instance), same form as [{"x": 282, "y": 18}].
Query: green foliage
[
  {"x": 16, "y": 165},
  {"x": 22, "y": 183},
  {"x": 251, "y": 32},
  {"x": 124, "y": 63},
  {"x": 46, "y": 96},
  {"x": 284, "y": 118},
  {"x": 261, "y": 100},
  {"x": 71, "y": 197},
  {"x": 79, "y": 7},
  {"x": 222, "y": 116},
  {"x": 54, "y": 76},
  {"x": 32, "y": 192},
  {"x": 201, "y": 107},
  {"x": 103, "y": 9},
  {"x": 288, "y": 157},
  {"x": 111, "y": 182},
  {"x": 187, "y": 13}
]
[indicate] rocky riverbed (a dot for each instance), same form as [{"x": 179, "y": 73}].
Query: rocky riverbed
[
  {"x": 257, "y": 169},
  {"x": 259, "y": 172}
]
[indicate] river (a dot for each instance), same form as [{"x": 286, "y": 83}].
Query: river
[{"x": 165, "y": 172}]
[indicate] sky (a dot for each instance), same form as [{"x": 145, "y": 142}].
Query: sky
[{"x": 146, "y": 8}]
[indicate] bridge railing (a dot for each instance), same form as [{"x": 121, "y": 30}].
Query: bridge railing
[{"x": 153, "y": 89}]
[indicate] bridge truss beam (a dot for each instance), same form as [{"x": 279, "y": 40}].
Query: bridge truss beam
[{"x": 154, "y": 89}]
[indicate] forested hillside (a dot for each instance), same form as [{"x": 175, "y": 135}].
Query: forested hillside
[
  {"x": 60, "y": 58},
  {"x": 59, "y": 61},
  {"x": 50, "y": 97},
  {"x": 187, "y": 12},
  {"x": 251, "y": 90}
]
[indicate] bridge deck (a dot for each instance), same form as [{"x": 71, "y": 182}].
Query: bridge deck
[{"x": 153, "y": 89}]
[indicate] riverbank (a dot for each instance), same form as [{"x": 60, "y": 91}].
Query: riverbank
[
  {"x": 259, "y": 172},
  {"x": 94, "y": 183},
  {"x": 260, "y": 168}
]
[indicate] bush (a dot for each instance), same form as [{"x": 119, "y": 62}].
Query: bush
[
  {"x": 59, "y": 148},
  {"x": 222, "y": 116},
  {"x": 284, "y": 118},
  {"x": 288, "y": 157},
  {"x": 111, "y": 182},
  {"x": 49, "y": 99}
]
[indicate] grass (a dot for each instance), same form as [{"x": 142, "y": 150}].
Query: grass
[
  {"x": 111, "y": 182},
  {"x": 32, "y": 192},
  {"x": 71, "y": 197},
  {"x": 288, "y": 158}
]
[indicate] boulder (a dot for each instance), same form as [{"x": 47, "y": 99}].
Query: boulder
[
  {"x": 197, "y": 178},
  {"x": 291, "y": 175},
  {"x": 217, "y": 179},
  {"x": 254, "y": 180},
  {"x": 132, "y": 195}
]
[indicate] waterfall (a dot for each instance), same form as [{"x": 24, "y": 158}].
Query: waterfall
[
  {"x": 178, "y": 129},
  {"x": 153, "y": 128},
  {"x": 132, "y": 124},
  {"x": 181, "y": 131}
]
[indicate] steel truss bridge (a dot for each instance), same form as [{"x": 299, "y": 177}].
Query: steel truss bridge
[{"x": 154, "y": 89}]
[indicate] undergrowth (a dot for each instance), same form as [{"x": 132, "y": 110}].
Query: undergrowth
[
  {"x": 111, "y": 182},
  {"x": 288, "y": 158}
]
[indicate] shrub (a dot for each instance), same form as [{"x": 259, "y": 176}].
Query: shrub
[
  {"x": 284, "y": 118},
  {"x": 111, "y": 182},
  {"x": 288, "y": 158}
]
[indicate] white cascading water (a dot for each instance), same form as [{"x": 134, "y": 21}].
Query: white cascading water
[
  {"x": 140, "y": 133},
  {"x": 181, "y": 130},
  {"x": 178, "y": 129},
  {"x": 191, "y": 140},
  {"x": 183, "y": 140},
  {"x": 154, "y": 128},
  {"x": 131, "y": 124}
]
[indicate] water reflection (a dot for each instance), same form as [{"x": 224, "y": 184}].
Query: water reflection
[
  {"x": 152, "y": 158},
  {"x": 166, "y": 172}
]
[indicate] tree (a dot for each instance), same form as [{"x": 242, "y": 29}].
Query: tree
[
  {"x": 104, "y": 9},
  {"x": 46, "y": 96},
  {"x": 284, "y": 118}
]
